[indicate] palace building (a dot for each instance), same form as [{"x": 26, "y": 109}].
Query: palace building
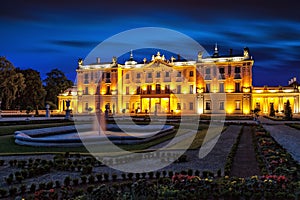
[{"x": 214, "y": 84}]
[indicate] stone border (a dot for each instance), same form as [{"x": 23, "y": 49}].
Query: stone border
[{"x": 35, "y": 137}]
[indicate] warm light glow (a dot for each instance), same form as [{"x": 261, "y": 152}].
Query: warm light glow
[
  {"x": 258, "y": 91},
  {"x": 229, "y": 90},
  {"x": 288, "y": 90},
  {"x": 246, "y": 90},
  {"x": 273, "y": 91},
  {"x": 246, "y": 111}
]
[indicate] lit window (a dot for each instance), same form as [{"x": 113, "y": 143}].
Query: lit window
[
  {"x": 178, "y": 106},
  {"x": 238, "y": 105},
  {"x": 191, "y": 89}
]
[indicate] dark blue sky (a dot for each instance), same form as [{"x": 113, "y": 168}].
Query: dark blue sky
[{"x": 53, "y": 34}]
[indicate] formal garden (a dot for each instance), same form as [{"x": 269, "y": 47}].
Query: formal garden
[{"x": 62, "y": 174}]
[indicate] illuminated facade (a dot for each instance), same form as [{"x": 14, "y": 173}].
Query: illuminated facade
[{"x": 214, "y": 84}]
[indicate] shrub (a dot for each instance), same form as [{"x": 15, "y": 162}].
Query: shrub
[
  {"x": 130, "y": 175},
  {"x": 24, "y": 173},
  {"x": 42, "y": 186},
  {"x": 164, "y": 173},
  {"x": 19, "y": 178},
  {"x": 12, "y": 191},
  {"x": 123, "y": 176},
  {"x": 91, "y": 179},
  {"x": 49, "y": 185},
  {"x": 99, "y": 177},
  {"x": 190, "y": 172},
  {"x": 1, "y": 162},
  {"x": 90, "y": 189},
  {"x": 23, "y": 189},
  {"x": 219, "y": 173},
  {"x": 150, "y": 174},
  {"x": 137, "y": 176},
  {"x": 57, "y": 184},
  {"x": 8, "y": 180},
  {"x": 106, "y": 177},
  {"x": 157, "y": 175},
  {"x": 144, "y": 175},
  {"x": 114, "y": 177},
  {"x": 170, "y": 174},
  {"x": 32, "y": 188},
  {"x": 75, "y": 181},
  {"x": 11, "y": 163},
  {"x": 197, "y": 173},
  {"x": 83, "y": 179},
  {"x": 67, "y": 181},
  {"x": 3, "y": 192}
]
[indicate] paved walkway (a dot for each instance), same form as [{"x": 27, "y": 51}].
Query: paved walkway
[
  {"x": 245, "y": 164},
  {"x": 288, "y": 137}
]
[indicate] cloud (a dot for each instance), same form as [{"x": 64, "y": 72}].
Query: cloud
[{"x": 73, "y": 43}]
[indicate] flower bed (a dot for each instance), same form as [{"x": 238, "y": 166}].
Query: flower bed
[{"x": 273, "y": 158}]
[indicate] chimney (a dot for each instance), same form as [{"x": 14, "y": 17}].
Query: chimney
[
  {"x": 98, "y": 60},
  {"x": 178, "y": 57},
  {"x": 230, "y": 52}
]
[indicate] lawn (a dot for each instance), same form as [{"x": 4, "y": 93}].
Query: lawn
[
  {"x": 296, "y": 126},
  {"x": 10, "y": 129},
  {"x": 8, "y": 146}
]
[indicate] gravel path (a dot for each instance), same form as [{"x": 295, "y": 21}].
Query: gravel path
[
  {"x": 244, "y": 163},
  {"x": 286, "y": 136}
]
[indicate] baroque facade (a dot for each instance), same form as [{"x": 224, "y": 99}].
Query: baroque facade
[{"x": 215, "y": 84}]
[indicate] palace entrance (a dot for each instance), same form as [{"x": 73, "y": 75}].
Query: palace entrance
[{"x": 155, "y": 105}]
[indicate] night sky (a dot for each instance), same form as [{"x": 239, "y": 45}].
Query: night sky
[{"x": 53, "y": 34}]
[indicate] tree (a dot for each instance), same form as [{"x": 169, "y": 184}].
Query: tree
[
  {"x": 272, "y": 110},
  {"x": 11, "y": 83},
  {"x": 288, "y": 111},
  {"x": 34, "y": 92},
  {"x": 55, "y": 83}
]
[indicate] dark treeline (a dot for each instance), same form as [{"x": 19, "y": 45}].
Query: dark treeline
[{"x": 23, "y": 89}]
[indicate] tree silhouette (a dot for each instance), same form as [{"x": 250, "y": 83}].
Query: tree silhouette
[
  {"x": 272, "y": 110},
  {"x": 55, "y": 83},
  {"x": 11, "y": 83},
  {"x": 288, "y": 111},
  {"x": 34, "y": 92}
]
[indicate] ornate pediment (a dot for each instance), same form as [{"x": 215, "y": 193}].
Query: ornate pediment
[{"x": 159, "y": 61}]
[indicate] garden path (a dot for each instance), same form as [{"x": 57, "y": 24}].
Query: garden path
[
  {"x": 287, "y": 137},
  {"x": 244, "y": 163}
]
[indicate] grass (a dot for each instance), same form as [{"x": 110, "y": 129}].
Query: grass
[
  {"x": 8, "y": 146},
  {"x": 296, "y": 126},
  {"x": 10, "y": 129}
]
